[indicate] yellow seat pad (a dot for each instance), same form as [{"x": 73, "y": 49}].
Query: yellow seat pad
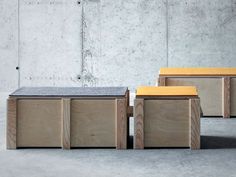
[
  {"x": 166, "y": 91},
  {"x": 197, "y": 72}
]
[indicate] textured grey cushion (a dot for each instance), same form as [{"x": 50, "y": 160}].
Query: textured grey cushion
[{"x": 70, "y": 92}]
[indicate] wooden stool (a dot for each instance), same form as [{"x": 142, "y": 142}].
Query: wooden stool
[
  {"x": 166, "y": 117},
  {"x": 68, "y": 117},
  {"x": 216, "y": 87}
]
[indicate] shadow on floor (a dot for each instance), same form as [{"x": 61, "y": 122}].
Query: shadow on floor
[
  {"x": 215, "y": 142},
  {"x": 207, "y": 142},
  {"x": 130, "y": 144}
]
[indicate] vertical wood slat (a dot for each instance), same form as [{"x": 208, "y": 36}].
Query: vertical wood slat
[
  {"x": 127, "y": 96},
  {"x": 226, "y": 97},
  {"x": 162, "y": 81},
  {"x": 128, "y": 115},
  {"x": 121, "y": 124},
  {"x": 11, "y": 123},
  {"x": 65, "y": 108},
  {"x": 194, "y": 109},
  {"x": 139, "y": 124}
]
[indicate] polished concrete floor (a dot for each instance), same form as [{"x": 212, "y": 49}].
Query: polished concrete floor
[{"x": 217, "y": 158}]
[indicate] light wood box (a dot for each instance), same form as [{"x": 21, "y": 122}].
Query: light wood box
[
  {"x": 68, "y": 119},
  {"x": 162, "y": 122},
  {"x": 216, "y": 87}
]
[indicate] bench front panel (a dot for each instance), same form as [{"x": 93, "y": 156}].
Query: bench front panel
[
  {"x": 209, "y": 91},
  {"x": 38, "y": 123},
  {"x": 166, "y": 123},
  {"x": 93, "y": 123}
]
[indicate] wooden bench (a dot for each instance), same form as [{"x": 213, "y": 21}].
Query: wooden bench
[
  {"x": 68, "y": 117},
  {"x": 166, "y": 117},
  {"x": 216, "y": 87}
]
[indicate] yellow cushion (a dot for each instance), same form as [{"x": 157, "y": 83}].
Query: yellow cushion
[
  {"x": 197, "y": 72},
  {"x": 166, "y": 91}
]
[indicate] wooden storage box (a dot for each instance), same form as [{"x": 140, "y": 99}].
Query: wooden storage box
[
  {"x": 68, "y": 117},
  {"x": 166, "y": 117},
  {"x": 216, "y": 87}
]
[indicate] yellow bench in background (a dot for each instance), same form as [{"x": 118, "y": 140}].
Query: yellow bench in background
[
  {"x": 216, "y": 87},
  {"x": 166, "y": 117}
]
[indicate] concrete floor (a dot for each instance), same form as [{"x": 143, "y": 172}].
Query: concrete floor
[{"x": 217, "y": 158}]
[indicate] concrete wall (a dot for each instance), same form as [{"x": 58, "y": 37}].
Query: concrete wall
[
  {"x": 112, "y": 42},
  {"x": 8, "y": 44},
  {"x": 50, "y": 42}
]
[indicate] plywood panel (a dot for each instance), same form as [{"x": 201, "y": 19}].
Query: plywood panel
[
  {"x": 39, "y": 123},
  {"x": 166, "y": 123},
  {"x": 209, "y": 90},
  {"x": 93, "y": 123},
  {"x": 233, "y": 97}
]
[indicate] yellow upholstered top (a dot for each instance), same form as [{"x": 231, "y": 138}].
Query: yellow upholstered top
[
  {"x": 166, "y": 91},
  {"x": 197, "y": 72}
]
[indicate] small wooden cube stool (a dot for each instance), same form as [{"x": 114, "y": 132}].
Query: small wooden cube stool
[
  {"x": 166, "y": 117},
  {"x": 68, "y": 117}
]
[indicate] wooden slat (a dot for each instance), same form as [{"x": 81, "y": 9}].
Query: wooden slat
[
  {"x": 121, "y": 124},
  {"x": 233, "y": 96},
  {"x": 138, "y": 124},
  {"x": 194, "y": 109},
  {"x": 162, "y": 81},
  {"x": 127, "y": 97},
  {"x": 226, "y": 97},
  {"x": 11, "y": 123},
  {"x": 128, "y": 115},
  {"x": 130, "y": 111},
  {"x": 65, "y": 123}
]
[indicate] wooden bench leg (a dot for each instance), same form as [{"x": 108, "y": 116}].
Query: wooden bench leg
[
  {"x": 65, "y": 108},
  {"x": 11, "y": 123},
  {"x": 162, "y": 81},
  {"x": 121, "y": 123},
  {"x": 139, "y": 124},
  {"x": 226, "y": 97},
  {"x": 194, "y": 109}
]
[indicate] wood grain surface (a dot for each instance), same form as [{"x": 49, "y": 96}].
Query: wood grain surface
[
  {"x": 194, "y": 107},
  {"x": 65, "y": 108},
  {"x": 11, "y": 123},
  {"x": 138, "y": 123},
  {"x": 121, "y": 124}
]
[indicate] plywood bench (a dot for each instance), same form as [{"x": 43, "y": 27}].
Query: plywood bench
[
  {"x": 68, "y": 117},
  {"x": 166, "y": 117},
  {"x": 216, "y": 87}
]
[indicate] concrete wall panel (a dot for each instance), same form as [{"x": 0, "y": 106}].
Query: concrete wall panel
[
  {"x": 112, "y": 42},
  {"x": 202, "y": 33},
  {"x": 50, "y": 43},
  {"x": 8, "y": 45},
  {"x": 130, "y": 41}
]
